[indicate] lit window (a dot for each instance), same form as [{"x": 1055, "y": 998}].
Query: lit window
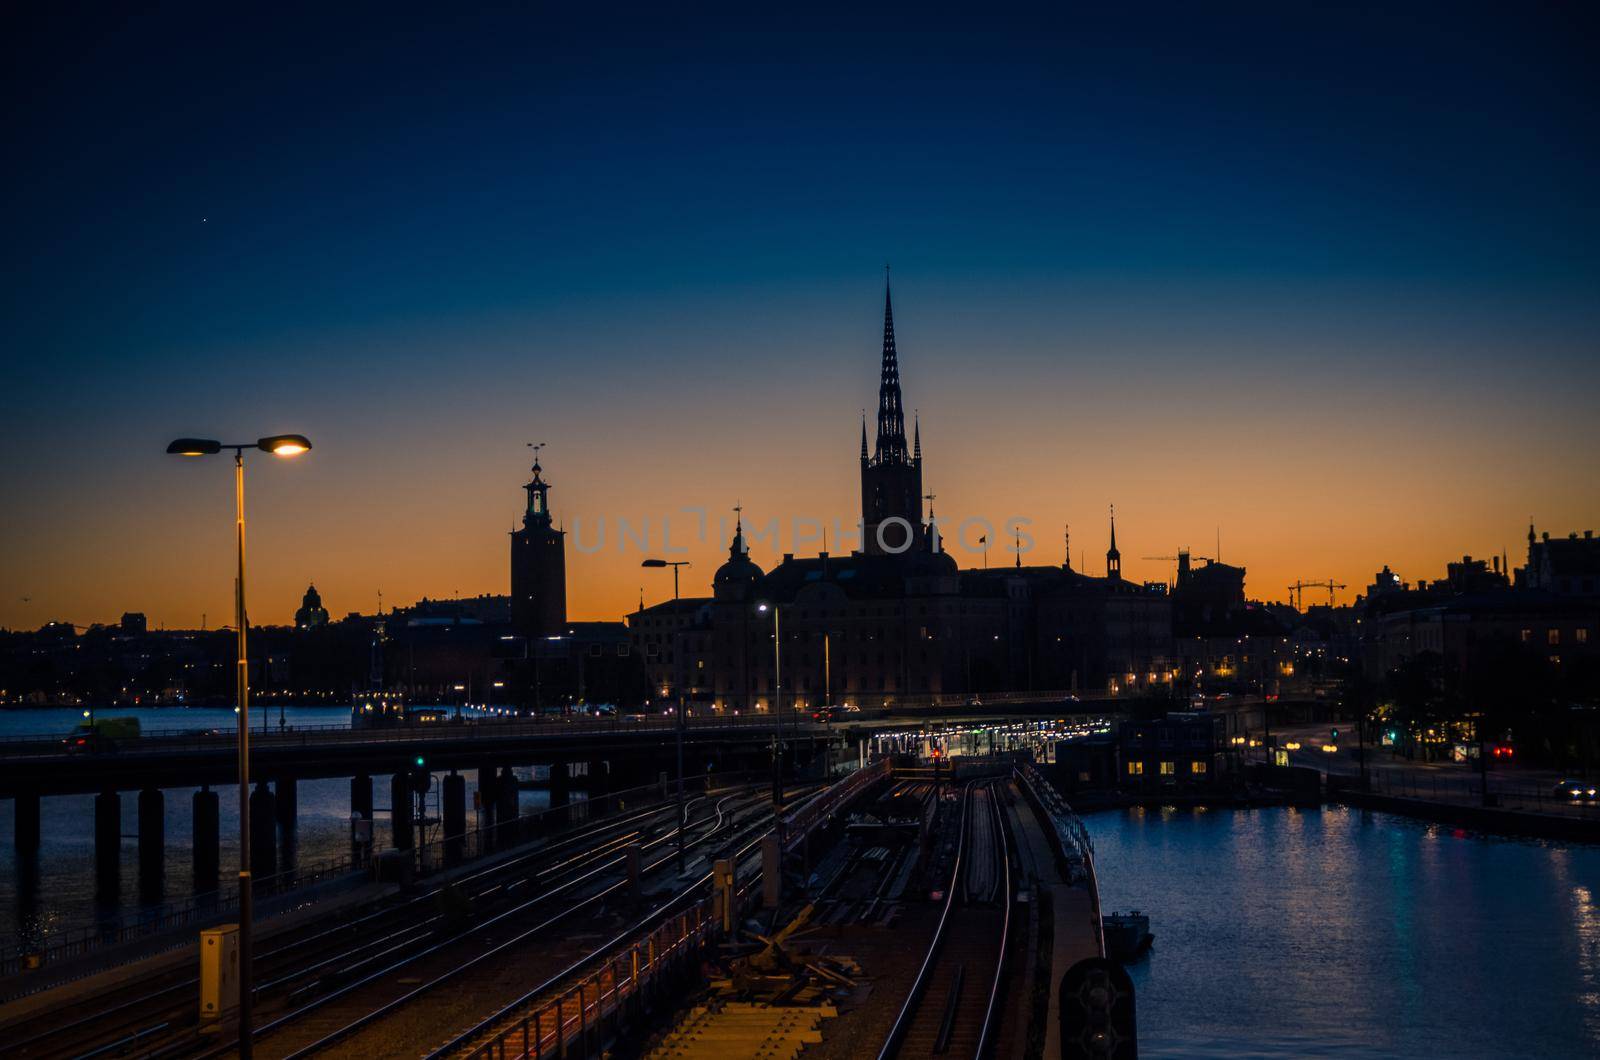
[
  {"x": 1553, "y": 636},
  {"x": 1583, "y": 636},
  {"x": 1168, "y": 768},
  {"x": 1197, "y": 767},
  {"x": 1527, "y": 635},
  {"x": 1135, "y": 769}
]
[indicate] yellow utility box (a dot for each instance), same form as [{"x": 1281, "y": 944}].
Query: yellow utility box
[{"x": 219, "y": 976}]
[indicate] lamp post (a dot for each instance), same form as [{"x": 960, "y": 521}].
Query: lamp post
[
  {"x": 279, "y": 445},
  {"x": 678, "y": 734},
  {"x": 777, "y": 704},
  {"x": 674, "y": 564}
]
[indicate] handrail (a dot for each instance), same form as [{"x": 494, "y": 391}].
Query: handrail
[{"x": 1072, "y": 839}]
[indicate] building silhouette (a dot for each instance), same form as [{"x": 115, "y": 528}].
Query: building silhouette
[
  {"x": 898, "y": 619},
  {"x": 538, "y": 566}
]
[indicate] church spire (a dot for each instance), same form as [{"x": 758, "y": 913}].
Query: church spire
[
  {"x": 916, "y": 449},
  {"x": 863, "y": 434},
  {"x": 891, "y": 416},
  {"x": 1113, "y": 557}
]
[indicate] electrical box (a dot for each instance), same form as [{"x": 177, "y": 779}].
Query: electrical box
[{"x": 219, "y": 976}]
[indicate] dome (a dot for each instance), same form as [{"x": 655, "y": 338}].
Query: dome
[{"x": 736, "y": 577}]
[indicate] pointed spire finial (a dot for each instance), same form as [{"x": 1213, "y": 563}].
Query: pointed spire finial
[
  {"x": 1066, "y": 540},
  {"x": 863, "y": 434},
  {"x": 891, "y": 414},
  {"x": 916, "y": 420},
  {"x": 1018, "y": 534}
]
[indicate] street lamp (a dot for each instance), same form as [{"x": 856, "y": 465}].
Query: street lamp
[
  {"x": 279, "y": 445},
  {"x": 682, "y": 820},
  {"x": 777, "y": 704},
  {"x": 674, "y": 564}
]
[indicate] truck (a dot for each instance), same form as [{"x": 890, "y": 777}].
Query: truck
[{"x": 102, "y": 734}]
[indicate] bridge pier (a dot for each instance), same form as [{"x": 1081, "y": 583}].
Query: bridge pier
[
  {"x": 263, "y": 832},
  {"x": 26, "y": 811},
  {"x": 599, "y": 783},
  {"x": 108, "y": 843},
  {"x": 509, "y": 797},
  {"x": 286, "y": 793},
  {"x": 560, "y": 797},
  {"x": 207, "y": 841},
  {"x": 455, "y": 817},
  {"x": 152, "y": 842},
  {"x": 400, "y": 810},
  {"x": 486, "y": 789}
]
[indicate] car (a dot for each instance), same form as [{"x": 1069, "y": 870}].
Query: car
[{"x": 1576, "y": 791}]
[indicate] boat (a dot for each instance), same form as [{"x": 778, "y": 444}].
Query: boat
[{"x": 1127, "y": 936}]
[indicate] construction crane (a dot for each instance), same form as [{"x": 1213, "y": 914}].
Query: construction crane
[{"x": 1297, "y": 592}]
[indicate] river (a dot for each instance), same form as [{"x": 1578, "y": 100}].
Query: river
[
  {"x": 62, "y": 895},
  {"x": 1343, "y": 933}
]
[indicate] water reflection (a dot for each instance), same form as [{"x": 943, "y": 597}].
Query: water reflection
[{"x": 1341, "y": 933}]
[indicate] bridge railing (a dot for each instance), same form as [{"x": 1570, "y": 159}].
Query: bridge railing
[
  {"x": 1069, "y": 838},
  {"x": 488, "y": 729},
  {"x": 803, "y": 821}
]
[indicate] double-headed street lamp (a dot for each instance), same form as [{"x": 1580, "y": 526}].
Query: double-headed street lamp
[
  {"x": 278, "y": 445},
  {"x": 674, "y": 564},
  {"x": 682, "y": 818},
  {"x": 777, "y": 703}
]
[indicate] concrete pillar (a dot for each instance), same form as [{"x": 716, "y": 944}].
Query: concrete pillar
[
  {"x": 152, "y": 841},
  {"x": 263, "y": 832},
  {"x": 26, "y": 834},
  {"x": 287, "y": 795},
  {"x": 488, "y": 781},
  {"x": 207, "y": 841},
  {"x": 400, "y": 810},
  {"x": 286, "y": 798},
  {"x": 361, "y": 795},
  {"x": 560, "y": 796},
  {"x": 599, "y": 783},
  {"x": 107, "y": 842},
  {"x": 509, "y": 809},
  {"x": 455, "y": 817}
]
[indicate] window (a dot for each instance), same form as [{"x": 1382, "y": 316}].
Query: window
[
  {"x": 1553, "y": 636},
  {"x": 1583, "y": 636},
  {"x": 1135, "y": 769},
  {"x": 1198, "y": 768},
  {"x": 1527, "y": 635},
  {"x": 1168, "y": 768}
]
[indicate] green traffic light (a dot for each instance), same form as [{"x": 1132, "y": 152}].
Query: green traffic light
[{"x": 421, "y": 761}]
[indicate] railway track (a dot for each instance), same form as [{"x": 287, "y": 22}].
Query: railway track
[
  {"x": 383, "y": 1014},
  {"x": 297, "y": 969},
  {"x": 952, "y": 1008}
]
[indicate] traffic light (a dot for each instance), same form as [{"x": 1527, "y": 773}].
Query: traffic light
[{"x": 421, "y": 779}]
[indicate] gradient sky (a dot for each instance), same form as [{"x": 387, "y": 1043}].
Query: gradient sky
[{"x": 1327, "y": 282}]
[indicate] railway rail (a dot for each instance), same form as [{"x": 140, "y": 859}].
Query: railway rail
[
  {"x": 952, "y": 1008},
  {"x": 303, "y": 969}
]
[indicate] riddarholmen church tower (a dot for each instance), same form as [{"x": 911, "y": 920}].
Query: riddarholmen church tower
[
  {"x": 891, "y": 479},
  {"x": 538, "y": 566}
]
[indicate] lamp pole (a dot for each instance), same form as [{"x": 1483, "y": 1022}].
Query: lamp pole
[
  {"x": 279, "y": 445},
  {"x": 678, "y": 729},
  {"x": 242, "y": 671},
  {"x": 777, "y": 705}
]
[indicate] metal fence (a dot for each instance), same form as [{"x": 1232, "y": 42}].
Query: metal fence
[{"x": 1506, "y": 793}]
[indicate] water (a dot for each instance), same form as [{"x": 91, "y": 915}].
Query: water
[
  {"x": 1342, "y": 933},
  {"x": 62, "y": 895}
]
